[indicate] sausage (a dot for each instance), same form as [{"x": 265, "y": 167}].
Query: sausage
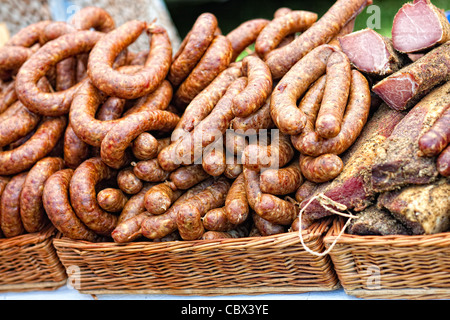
[
  {"x": 216, "y": 220},
  {"x": 93, "y": 17},
  {"x": 281, "y": 181},
  {"x": 11, "y": 59},
  {"x": 281, "y": 26},
  {"x": 186, "y": 177},
  {"x": 258, "y": 88},
  {"x": 111, "y": 199},
  {"x": 83, "y": 196},
  {"x": 38, "y": 146},
  {"x": 192, "y": 48},
  {"x": 355, "y": 117},
  {"x": 210, "y": 129},
  {"x": 205, "y": 101},
  {"x": 160, "y": 197},
  {"x": 266, "y": 228},
  {"x": 128, "y": 182},
  {"x": 259, "y": 119},
  {"x": 232, "y": 168},
  {"x": 281, "y": 60},
  {"x": 235, "y": 142},
  {"x": 443, "y": 162},
  {"x": 236, "y": 204},
  {"x": 189, "y": 215},
  {"x": 320, "y": 169},
  {"x": 8, "y": 96},
  {"x": 216, "y": 59},
  {"x": 10, "y": 221},
  {"x": 18, "y": 124},
  {"x": 245, "y": 34},
  {"x": 334, "y": 101},
  {"x": 347, "y": 29},
  {"x": 55, "y": 199},
  {"x": 138, "y": 58},
  {"x": 130, "y": 229},
  {"x": 32, "y": 211},
  {"x": 252, "y": 187},
  {"x": 159, "y": 226},
  {"x": 120, "y": 137},
  {"x": 214, "y": 160},
  {"x": 135, "y": 204},
  {"x": 276, "y": 155},
  {"x": 432, "y": 142},
  {"x": 56, "y": 103},
  {"x": 305, "y": 190},
  {"x": 75, "y": 150},
  {"x": 111, "y": 109},
  {"x": 147, "y": 79},
  {"x": 145, "y": 146},
  {"x": 281, "y": 12},
  {"x": 240, "y": 231},
  {"x": 150, "y": 170},
  {"x": 28, "y": 36},
  {"x": 85, "y": 104},
  {"x": 283, "y": 105}
]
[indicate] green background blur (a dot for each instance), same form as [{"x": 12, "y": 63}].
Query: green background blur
[{"x": 231, "y": 13}]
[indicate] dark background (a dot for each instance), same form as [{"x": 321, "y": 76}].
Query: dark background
[{"x": 231, "y": 13}]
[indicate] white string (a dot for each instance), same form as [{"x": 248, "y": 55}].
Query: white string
[{"x": 322, "y": 199}]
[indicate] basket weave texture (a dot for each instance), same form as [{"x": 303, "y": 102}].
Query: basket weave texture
[
  {"x": 254, "y": 265},
  {"x": 29, "y": 262},
  {"x": 391, "y": 267}
]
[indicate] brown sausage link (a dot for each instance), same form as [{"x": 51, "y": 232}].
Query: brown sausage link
[
  {"x": 192, "y": 48},
  {"x": 11, "y": 59},
  {"x": 145, "y": 146},
  {"x": 111, "y": 109},
  {"x": 322, "y": 168},
  {"x": 235, "y": 142},
  {"x": 130, "y": 229},
  {"x": 56, "y": 103},
  {"x": 232, "y": 168},
  {"x": 93, "y": 17},
  {"x": 281, "y": 60},
  {"x": 111, "y": 199},
  {"x": 10, "y": 221},
  {"x": 305, "y": 190},
  {"x": 258, "y": 88},
  {"x": 29, "y": 35},
  {"x": 147, "y": 79},
  {"x": 215, "y": 235},
  {"x": 281, "y": 26},
  {"x": 236, "y": 204},
  {"x": 216, "y": 59},
  {"x": 281, "y": 181},
  {"x": 83, "y": 196},
  {"x": 160, "y": 197},
  {"x": 156, "y": 227},
  {"x": 276, "y": 155},
  {"x": 128, "y": 182},
  {"x": 8, "y": 96},
  {"x": 55, "y": 199},
  {"x": 281, "y": 12},
  {"x": 38, "y": 146},
  {"x": 283, "y": 105},
  {"x": 75, "y": 150},
  {"x": 245, "y": 34},
  {"x": 204, "y": 102},
  {"x": 252, "y": 187},
  {"x": 120, "y": 137},
  {"x": 214, "y": 161},
  {"x": 266, "y": 228},
  {"x": 216, "y": 220},
  {"x": 150, "y": 170},
  {"x": 134, "y": 205},
  {"x": 260, "y": 119},
  {"x": 32, "y": 211},
  {"x": 186, "y": 177},
  {"x": 355, "y": 117},
  {"x": 189, "y": 215},
  {"x": 88, "y": 99},
  {"x": 432, "y": 142},
  {"x": 443, "y": 162},
  {"x": 334, "y": 101}
]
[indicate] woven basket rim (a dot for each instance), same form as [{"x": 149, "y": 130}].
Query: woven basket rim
[
  {"x": 438, "y": 239},
  {"x": 28, "y": 238},
  {"x": 316, "y": 231}
]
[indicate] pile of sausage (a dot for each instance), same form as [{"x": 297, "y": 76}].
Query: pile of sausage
[{"x": 113, "y": 145}]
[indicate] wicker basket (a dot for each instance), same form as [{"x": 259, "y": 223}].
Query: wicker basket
[
  {"x": 257, "y": 265},
  {"x": 29, "y": 262},
  {"x": 392, "y": 267}
]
